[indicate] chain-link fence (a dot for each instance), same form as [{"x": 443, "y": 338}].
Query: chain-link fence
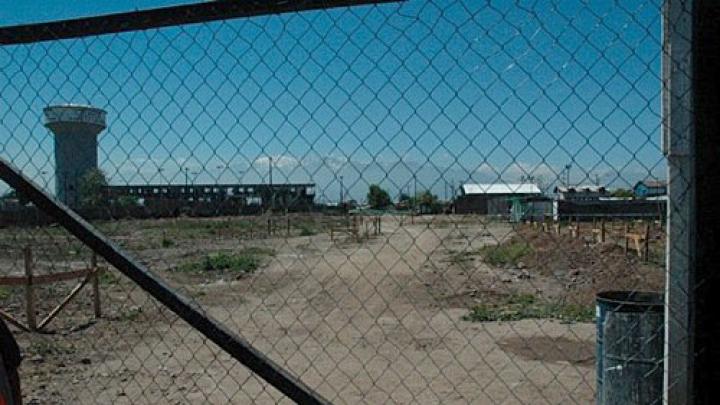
[{"x": 405, "y": 202}]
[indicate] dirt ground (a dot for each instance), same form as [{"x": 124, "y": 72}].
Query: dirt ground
[{"x": 376, "y": 321}]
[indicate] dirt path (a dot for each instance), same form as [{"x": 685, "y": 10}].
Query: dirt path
[{"x": 363, "y": 323}]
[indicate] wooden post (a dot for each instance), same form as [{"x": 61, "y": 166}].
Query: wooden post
[
  {"x": 576, "y": 228},
  {"x": 95, "y": 280},
  {"x": 269, "y": 227},
  {"x": 646, "y": 250},
  {"x": 602, "y": 230},
  {"x": 626, "y": 229},
  {"x": 288, "y": 226},
  {"x": 29, "y": 293}
]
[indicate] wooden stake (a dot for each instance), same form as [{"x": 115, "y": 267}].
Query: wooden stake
[
  {"x": 95, "y": 286},
  {"x": 62, "y": 305},
  {"x": 11, "y": 320},
  {"x": 646, "y": 251},
  {"x": 626, "y": 229},
  {"x": 29, "y": 293}
]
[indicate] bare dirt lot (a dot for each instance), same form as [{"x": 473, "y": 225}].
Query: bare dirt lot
[{"x": 441, "y": 309}]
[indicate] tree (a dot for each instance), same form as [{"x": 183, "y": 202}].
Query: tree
[
  {"x": 126, "y": 201},
  {"x": 9, "y": 195},
  {"x": 92, "y": 189},
  {"x": 428, "y": 202},
  {"x": 14, "y": 195},
  {"x": 377, "y": 197},
  {"x": 623, "y": 192}
]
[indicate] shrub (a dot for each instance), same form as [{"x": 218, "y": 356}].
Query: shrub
[
  {"x": 511, "y": 252},
  {"x": 246, "y": 261},
  {"x": 525, "y": 306}
]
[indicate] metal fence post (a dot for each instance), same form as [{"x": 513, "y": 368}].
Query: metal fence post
[
  {"x": 704, "y": 219},
  {"x": 677, "y": 145}
]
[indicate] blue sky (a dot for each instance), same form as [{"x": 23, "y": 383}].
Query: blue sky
[{"x": 441, "y": 91}]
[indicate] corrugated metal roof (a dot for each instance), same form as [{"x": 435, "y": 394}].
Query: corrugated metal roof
[{"x": 501, "y": 188}]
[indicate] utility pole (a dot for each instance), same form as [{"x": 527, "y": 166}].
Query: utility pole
[
  {"x": 415, "y": 191},
  {"x": 270, "y": 166},
  {"x": 342, "y": 188}
]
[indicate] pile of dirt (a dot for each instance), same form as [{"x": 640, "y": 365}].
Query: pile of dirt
[
  {"x": 554, "y": 268},
  {"x": 583, "y": 268}
]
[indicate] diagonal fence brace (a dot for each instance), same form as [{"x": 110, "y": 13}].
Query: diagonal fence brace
[{"x": 182, "y": 306}]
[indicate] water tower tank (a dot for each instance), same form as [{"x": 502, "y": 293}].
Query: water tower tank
[{"x": 76, "y": 128}]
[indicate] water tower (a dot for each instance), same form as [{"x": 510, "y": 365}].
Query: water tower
[{"x": 76, "y": 128}]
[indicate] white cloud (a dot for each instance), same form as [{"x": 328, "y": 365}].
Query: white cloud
[{"x": 279, "y": 161}]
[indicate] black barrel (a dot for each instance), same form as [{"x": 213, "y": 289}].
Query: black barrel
[{"x": 630, "y": 336}]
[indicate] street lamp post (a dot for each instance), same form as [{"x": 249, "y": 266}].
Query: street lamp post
[{"x": 415, "y": 194}]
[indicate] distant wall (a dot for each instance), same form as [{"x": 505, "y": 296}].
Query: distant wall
[
  {"x": 31, "y": 216},
  {"x": 609, "y": 208},
  {"x": 471, "y": 204}
]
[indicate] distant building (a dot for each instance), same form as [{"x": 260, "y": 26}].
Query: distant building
[
  {"x": 493, "y": 199},
  {"x": 580, "y": 193},
  {"x": 650, "y": 188},
  {"x": 163, "y": 197}
]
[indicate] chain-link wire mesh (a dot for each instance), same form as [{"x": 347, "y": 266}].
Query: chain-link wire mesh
[{"x": 411, "y": 202}]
